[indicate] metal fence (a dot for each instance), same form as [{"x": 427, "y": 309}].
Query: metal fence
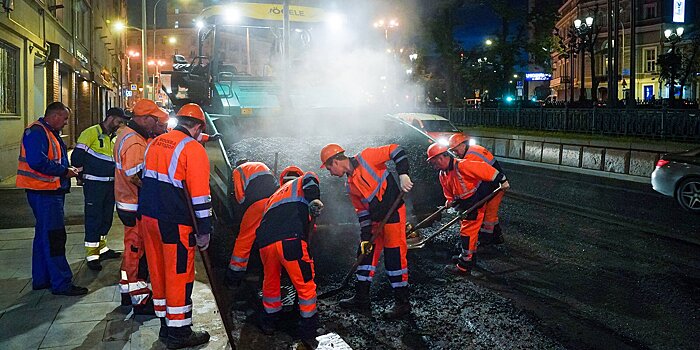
[{"x": 672, "y": 124}]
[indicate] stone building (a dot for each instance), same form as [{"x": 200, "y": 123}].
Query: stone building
[{"x": 56, "y": 50}]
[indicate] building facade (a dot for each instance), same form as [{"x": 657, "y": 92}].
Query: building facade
[
  {"x": 56, "y": 50},
  {"x": 653, "y": 18}
]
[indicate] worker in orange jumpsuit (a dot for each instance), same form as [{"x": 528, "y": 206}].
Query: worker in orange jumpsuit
[
  {"x": 175, "y": 172},
  {"x": 253, "y": 184},
  {"x": 490, "y": 232},
  {"x": 372, "y": 191},
  {"x": 129, "y": 149},
  {"x": 283, "y": 240},
  {"x": 459, "y": 179}
]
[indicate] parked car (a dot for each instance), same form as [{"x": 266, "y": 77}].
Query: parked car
[
  {"x": 435, "y": 126},
  {"x": 678, "y": 175}
]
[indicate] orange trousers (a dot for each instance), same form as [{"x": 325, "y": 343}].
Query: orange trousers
[
  {"x": 292, "y": 255},
  {"x": 133, "y": 276},
  {"x": 246, "y": 236},
  {"x": 393, "y": 242},
  {"x": 170, "y": 250},
  {"x": 469, "y": 235},
  {"x": 491, "y": 213}
]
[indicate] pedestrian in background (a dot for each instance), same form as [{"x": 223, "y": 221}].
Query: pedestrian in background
[
  {"x": 45, "y": 173},
  {"x": 175, "y": 166},
  {"x": 94, "y": 156},
  {"x": 128, "y": 155}
]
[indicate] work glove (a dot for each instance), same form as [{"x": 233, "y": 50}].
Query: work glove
[
  {"x": 471, "y": 216},
  {"x": 202, "y": 241},
  {"x": 505, "y": 185},
  {"x": 315, "y": 207},
  {"x": 214, "y": 137},
  {"x": 406, "y": 183},
  {"x": 366, "y": 247},
  {"x": 234, "y": 278}
]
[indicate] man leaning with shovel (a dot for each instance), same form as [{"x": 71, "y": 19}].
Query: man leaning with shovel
[
  {"x": 373, "y": 192},
  {"x": 460, "y": 179}
]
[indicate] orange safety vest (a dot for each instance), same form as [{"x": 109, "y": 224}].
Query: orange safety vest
[
  {"x": 128, "y": 157},
  {"x": 243, "y": 175},
  {"x": 368, "y": 179},
  {"x": 479, "y": 153},
  {"x": 171, "y": 159},
  {"x": 31, "y": 179},
  {"x": 464, "y": 176}
]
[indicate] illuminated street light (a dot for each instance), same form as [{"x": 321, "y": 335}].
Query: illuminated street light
[
  {"x": 488, "y": 42},
  {"x": 172, "y": 40},
  {"x": 382, "y": 24}
]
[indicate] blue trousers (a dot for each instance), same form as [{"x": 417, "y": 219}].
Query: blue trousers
[
  {"x": 49, "y": 264},
  {"x": 99, "y": 209}
]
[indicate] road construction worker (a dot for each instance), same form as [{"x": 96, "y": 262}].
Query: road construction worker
[
  {"x": 253, "y": 184},
  {"x": 94, "y": 153},
  {"x": 283, "y": 240},
  {"x": 43, "y": 171},
  {"x": 129, "y": 149},
  {"x": 459, "y": 179},
  {"x": 175, "y": 208},
  {"x": 490, "y": 231},
  {"x": 373, "y": 190}
]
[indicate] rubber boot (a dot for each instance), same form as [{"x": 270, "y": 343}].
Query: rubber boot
[
  {"x": 360, "y": 301},
  {"x": 498, "y": 235},
  {"x": 463, "y": 268},
  {"x": 308, "y": 331},
  {"x": 185, "y": 337},
  {"x": 163, "y": 332},
  {"x": 145, "y": 309},
  {"x": 401, "y": 307}
]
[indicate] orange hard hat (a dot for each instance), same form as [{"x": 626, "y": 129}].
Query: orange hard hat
[
  {"x": 329, "y": 151},
  {"x": 145, "y": 107},
  {"x": 192, "y": 110},
  {"x": 457, "y": 139},
  {"x": 290, "y": 173},
  {"x": 435, "y": 150}
]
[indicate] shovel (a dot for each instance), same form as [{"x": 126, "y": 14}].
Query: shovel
[
  {"x": 208, "y": 268},
  {"x": 412, "y": 228},
  {"x": 360, "y": 257},
  {"x": 420, "y": 244}
]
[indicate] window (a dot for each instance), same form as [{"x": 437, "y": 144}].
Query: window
[
  {"x": 82, "y": 23},
  {"x": 649, "y": 11},
  {"x": 9, "y": 70},
  {"x": 650, "y": 60}
]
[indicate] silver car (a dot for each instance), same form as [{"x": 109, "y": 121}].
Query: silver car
[{"x": 677, "y": 175}]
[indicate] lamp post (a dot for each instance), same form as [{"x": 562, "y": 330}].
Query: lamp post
[
  {"x": 386, "y": 25},
  {"x": 673, "y": 37},
  {"x": 157, "y": 64},
  {"x": 131, "y": 54},
  {"x": 583, "y": 29},
  {"x": 120, "y": 26}
]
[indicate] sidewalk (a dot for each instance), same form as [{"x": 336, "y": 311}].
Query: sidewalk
[{"x": 40, "y": 320}]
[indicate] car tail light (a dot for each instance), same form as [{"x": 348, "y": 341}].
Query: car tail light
[{"x": 662, "y": 162}]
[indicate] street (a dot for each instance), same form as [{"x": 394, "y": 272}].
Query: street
[{"x": 581, "y": 268}]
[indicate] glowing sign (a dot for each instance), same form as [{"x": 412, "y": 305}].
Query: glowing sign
[
  {"x": 538, "y": 76},
  {"x": 678, "y": 11}
]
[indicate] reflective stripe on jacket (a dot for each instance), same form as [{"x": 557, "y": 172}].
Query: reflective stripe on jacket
[
  {"x": 128, "y": 156},
  {"x": 32, "y": 179},
  {"x": 479, "y": 153},
  {"x": 461, "y": 179},
  {"x": 94, "y": 153},
  {"x": 169, "y": 160},
  {"x": 286, "y": 213}
]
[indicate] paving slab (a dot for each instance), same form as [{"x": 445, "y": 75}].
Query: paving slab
[{"x": 84, "y": 333}]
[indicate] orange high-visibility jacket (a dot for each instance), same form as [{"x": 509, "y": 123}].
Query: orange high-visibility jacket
[
  {"x": 286, "y": 213},
  {"x": 128, "y": 157},
  {"x": 171, "y": 159},
  {"x": 461, "y": 180},
  {"x": 371, "y": 187},
  {"x": 252, "y": 181},
  {"x": 479, "y": 153},
  {"x": 31, "y": 179}
]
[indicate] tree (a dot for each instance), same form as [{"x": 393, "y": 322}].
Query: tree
[{"x": 680, "y": 62}]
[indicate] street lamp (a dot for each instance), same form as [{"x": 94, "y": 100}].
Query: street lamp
[
  {"x": 488, "y": 42},
  {"x": 120, "y": 26},
  {"x": 673, "y": 37},
  {"x": 386, "y": 25},
  {"x": 583, "y": 30},
  {"x": 156, "y": 63}
]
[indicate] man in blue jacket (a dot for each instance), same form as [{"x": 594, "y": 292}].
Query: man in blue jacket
[{"x": 44, "y": 172}]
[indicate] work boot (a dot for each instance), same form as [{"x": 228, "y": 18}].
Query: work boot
[
  {"x": 267, "y": 323},
  {"x": 126, "y": 299},
  {"x": 309, "y": 330},
  {"x": 163, "y": 332},
  {"x": 110, "y": 254},
  {"x": 464, "y": 269},
  {"x": 145, "y": 309},
  {"x": 360, "y": 301},
  {"x": 497, "y": 235},
  {"x": 94, "y": 265},
  {"x": 72, "y": 291},
  {"x": 185, "y": 337},
  {"x": 401, "y": 307}
]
